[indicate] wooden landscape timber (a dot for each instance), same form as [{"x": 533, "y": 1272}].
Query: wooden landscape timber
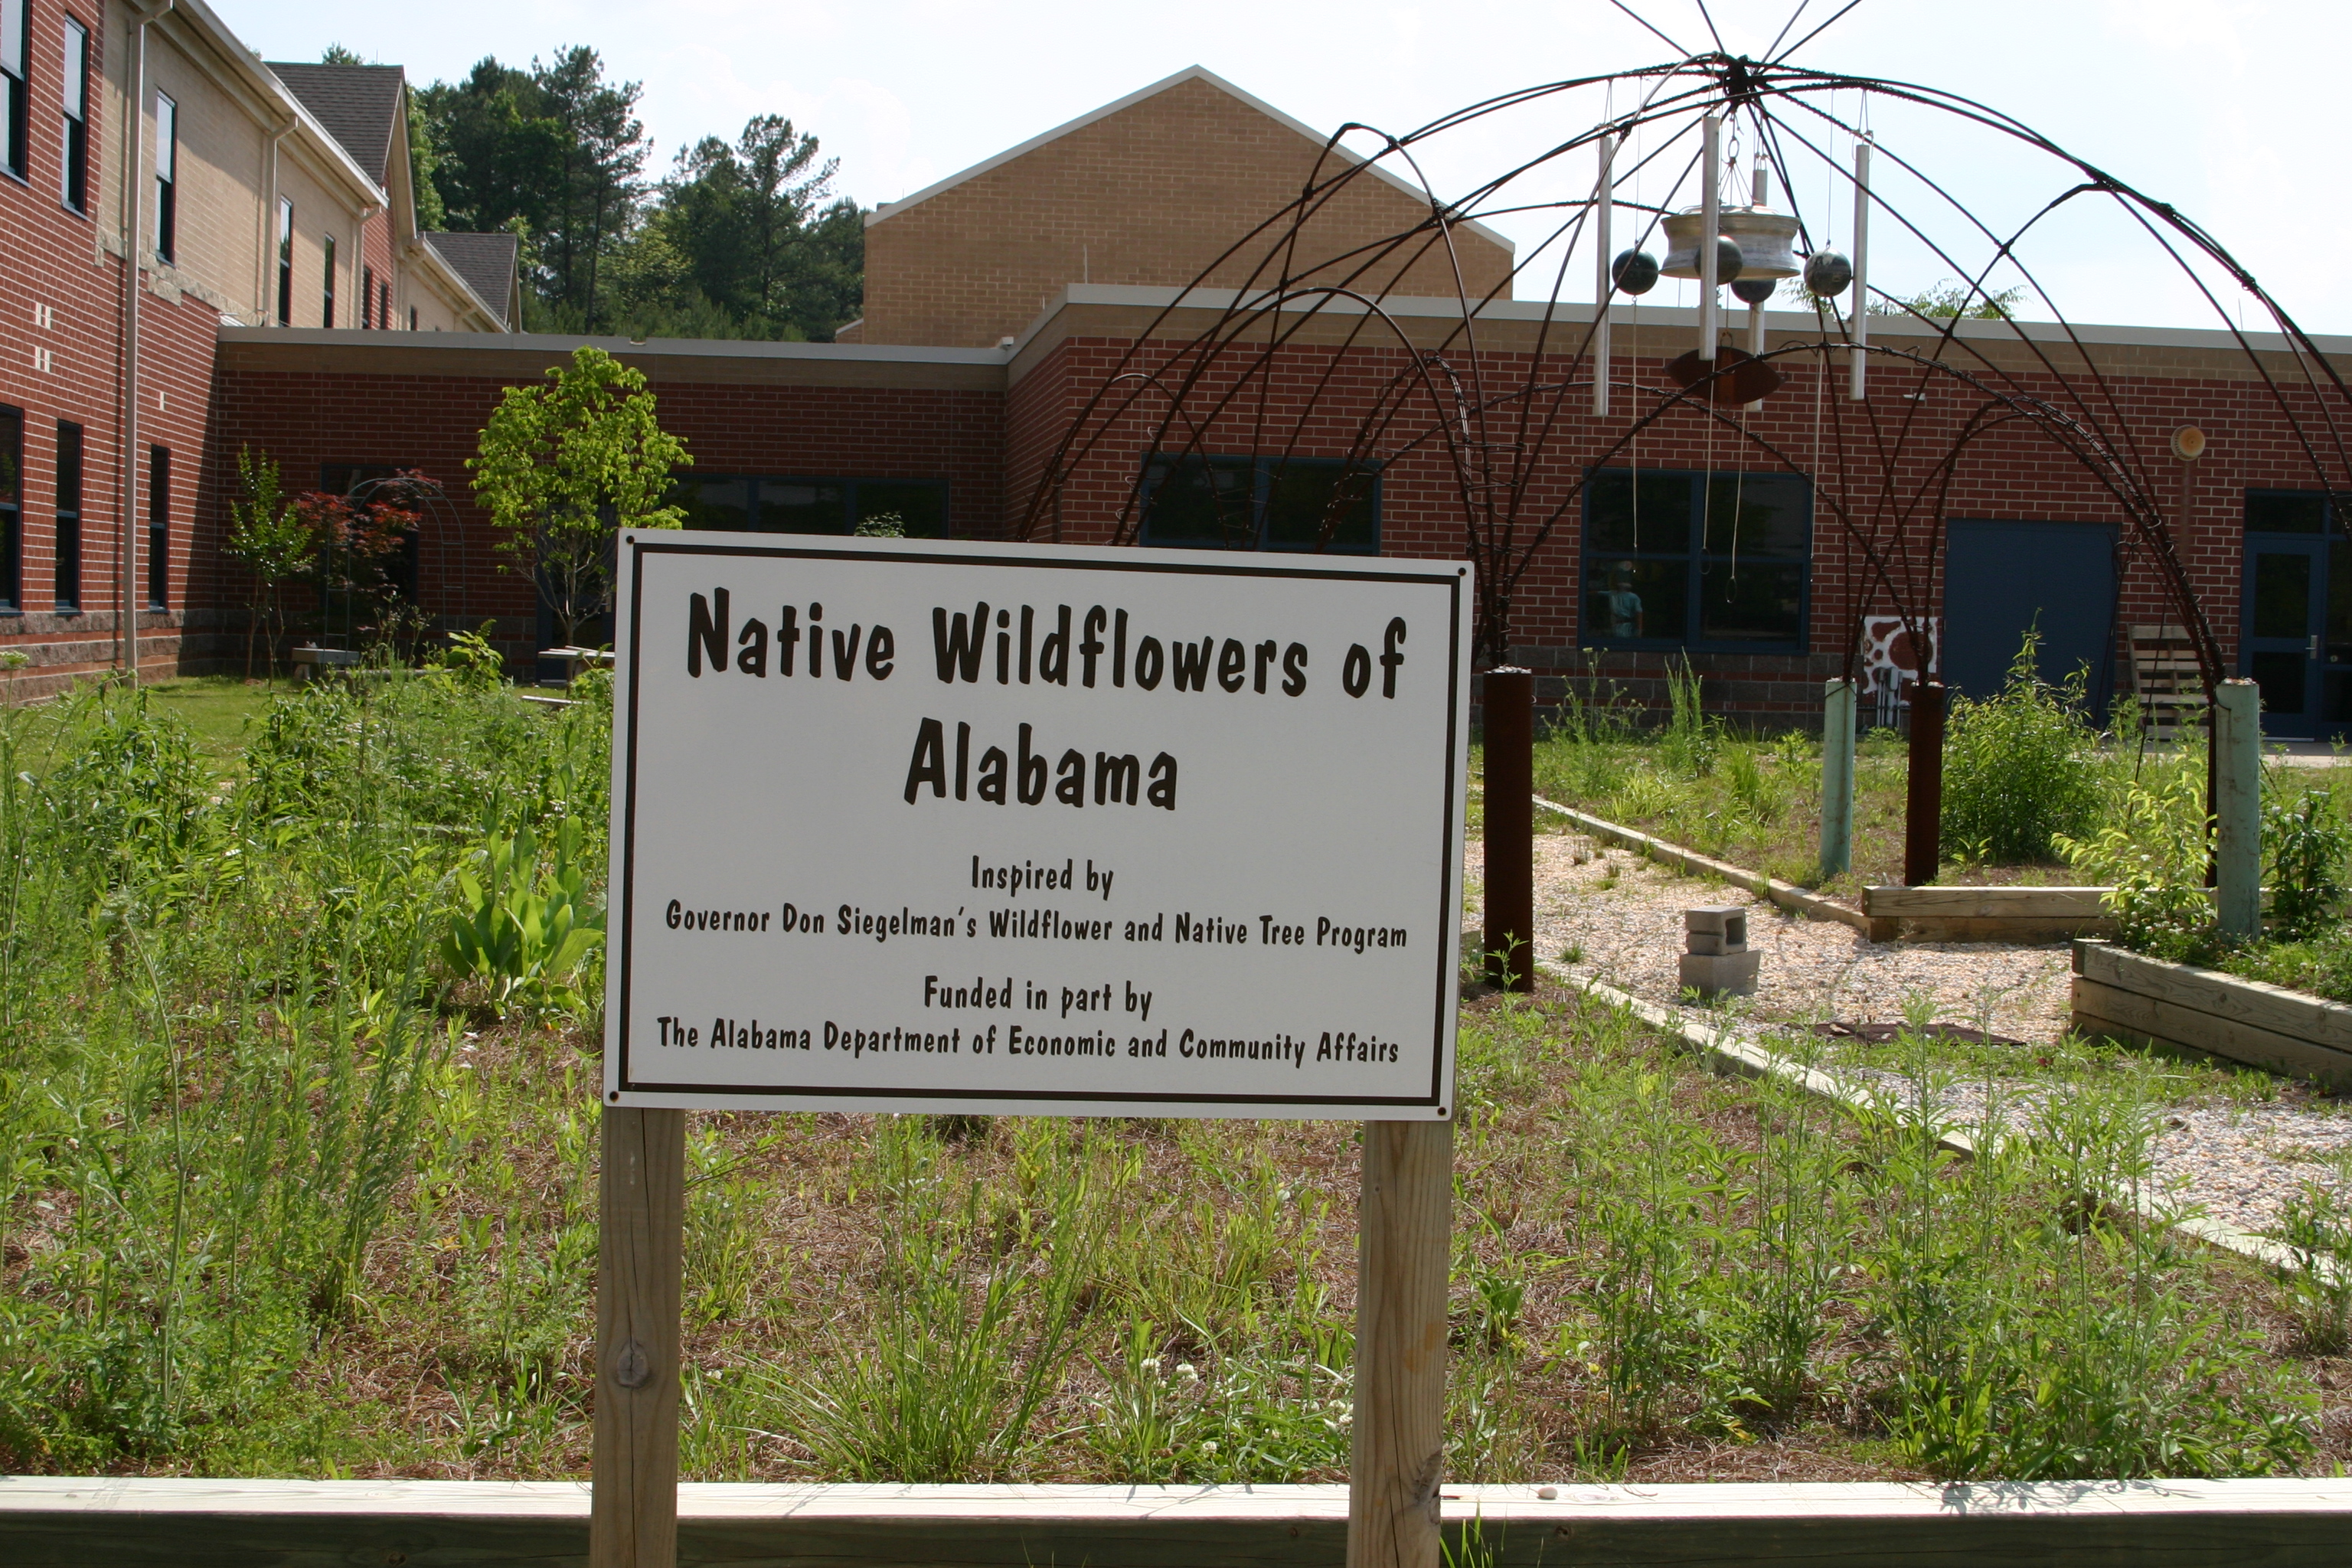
[
  {"x": 1887, "y": 914},
  {"x": 54, "y": 1521},
  {"x": 1985, "y": 914},
  {"x": 1787, "y": 895},
  {"x": 2178, "y": 1006}
]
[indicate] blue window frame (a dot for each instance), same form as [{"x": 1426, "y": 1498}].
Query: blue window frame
[
  {"x": 1197, "y": 502},
  {"x": 1719, "y": 563},
  {"x": 785, "y": 503}
]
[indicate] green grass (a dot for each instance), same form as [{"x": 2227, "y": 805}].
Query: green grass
[
  {"x": 287, "y": 1189},
  {"x": 218, "y": 710}
]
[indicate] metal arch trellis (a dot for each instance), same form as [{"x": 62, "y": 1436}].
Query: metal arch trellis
[
  {"x": 1500, "y": 421},
  {"x": 440, "y": 543}
]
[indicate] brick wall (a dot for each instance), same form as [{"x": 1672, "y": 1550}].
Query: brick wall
[
  {"x": 1152, "y": 194},
  {"x": 306, "y": 418},
  {"x": 1315, "y": 397}
]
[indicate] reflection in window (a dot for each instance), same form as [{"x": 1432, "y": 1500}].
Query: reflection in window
[
  {"x": 1674, "y": 559},
  {"x": 803, "y": 504},
  {"x": 1261, "y": 504},
  {"x": 12, "y": 510}
]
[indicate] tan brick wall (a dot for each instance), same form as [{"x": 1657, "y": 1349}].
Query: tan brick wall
[{"x": 1150, "y": 195}]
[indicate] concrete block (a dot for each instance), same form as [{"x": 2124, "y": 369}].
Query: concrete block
[
  {"x": 1721, "y": 974},
  {"x": 1726, "y": 922}
]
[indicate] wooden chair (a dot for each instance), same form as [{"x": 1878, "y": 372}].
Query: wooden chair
[{"x": 2165, "y": 677}]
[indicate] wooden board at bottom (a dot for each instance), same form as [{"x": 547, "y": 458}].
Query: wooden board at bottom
[
  {"x": 47, "y": 1522},
  {"x": 2103, "y": 1009}
]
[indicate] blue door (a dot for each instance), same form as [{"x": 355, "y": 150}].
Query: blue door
[
  {"x": 2285, "y": 617},
  {"x": 2002, "y": 579}
]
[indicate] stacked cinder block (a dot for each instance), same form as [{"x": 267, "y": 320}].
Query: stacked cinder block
[{"x": 1717, "y": 960}]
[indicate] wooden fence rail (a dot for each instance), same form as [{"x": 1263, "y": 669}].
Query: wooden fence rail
[{"x": 132, "y": 1523}]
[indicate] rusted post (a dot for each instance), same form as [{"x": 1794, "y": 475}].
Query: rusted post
[
  {"x": 1509, "y": 725},
  {"x": 1923, "y": 819}
]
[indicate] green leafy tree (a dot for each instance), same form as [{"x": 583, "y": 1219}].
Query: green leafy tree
[
  {"x": 273, "y": 536},
  {"x": 555, "y": 153},
  {"x": 424, "y": 167},
  {"x": 754, "y": 230},
  {"x": 563, "y": 467},
  {"x": 1951, "y": 297}
]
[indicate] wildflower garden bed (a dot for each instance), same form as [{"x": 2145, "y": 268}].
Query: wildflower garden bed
[{"x": 296, "y": 1179}]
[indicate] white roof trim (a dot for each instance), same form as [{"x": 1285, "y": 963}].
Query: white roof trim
[
  {"x": 1137, "y": 295},
  {"x": 1190, "y": 73}
]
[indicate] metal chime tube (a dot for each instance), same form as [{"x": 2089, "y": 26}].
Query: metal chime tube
[
  {"x": 1711, "y": 224},
  {"x": 1761, "y": 198},
  {"x": 1861, "y": 268},
  {"x": 1604, "y": 286}
]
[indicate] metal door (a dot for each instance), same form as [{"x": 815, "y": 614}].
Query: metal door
[{"x": 2285, "y": 610}]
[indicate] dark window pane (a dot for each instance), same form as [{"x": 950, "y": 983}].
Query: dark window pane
[
  {"x": 804, "y": 506},
  {"x": 1314, "y": 505},
  {"x": 714, "y": 503},
  {"x": 2280, "y": 675},
  {"x": 2286, "y": 513},
  {"x": 1628, "y": 599},
  {"x": 2282, "y": 594},
  {"x": 1757, "y": 515},
  {"x": 1625, "y": 510},
  {"x": 922, "y": 505},
  {"x": 1754, "y": 604},
  {"x": 1200, "y": 500}
]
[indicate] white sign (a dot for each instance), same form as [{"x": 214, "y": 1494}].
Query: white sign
[{"x": 925, "y": 827}]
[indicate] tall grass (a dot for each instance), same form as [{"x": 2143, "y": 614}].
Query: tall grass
[
  {"x": 287, "y": 1186},
  {"x": 220, "y": 1024}
]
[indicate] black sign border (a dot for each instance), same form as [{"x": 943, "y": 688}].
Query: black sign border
[{"x": 639, "y": 547}]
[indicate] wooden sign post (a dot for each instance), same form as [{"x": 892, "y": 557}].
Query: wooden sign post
[
  {"x": 1404, "y": 1252},
  {"x": 919, "y": 827},
  {"x": 640, "y": 1266}
]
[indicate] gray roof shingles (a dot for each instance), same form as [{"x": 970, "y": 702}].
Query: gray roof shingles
[
  {"x": 357, "y": 104},
  {"x": 486, "y": 263}
]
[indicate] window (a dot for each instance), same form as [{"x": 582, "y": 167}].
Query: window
[
  {"x": 167, "y": 178},
  {"x": 412, "y": 317},
  {"x": 327, "y": 299},
  {"x": 799, "y": 504},
  {"x": 1262, "y": 503},
  {"x": 74, "y": 87},
  {"x": 383, "y": 316},
  {"x": 159, "y": 527},
  {"x": 16, "y": 102},
  {"x": 12, "y": 510},
  {"x": 367, "y": 297},
  {"x": 69, "y": 579},
  {"x": 1697, "y": 560},
  {"x": 285, "y": 262}
]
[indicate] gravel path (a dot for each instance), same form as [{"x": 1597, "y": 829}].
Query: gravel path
[{"x": 1604, "y": 913}]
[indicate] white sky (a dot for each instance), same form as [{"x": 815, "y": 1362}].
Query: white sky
[{"x": 2227, "y": 109}]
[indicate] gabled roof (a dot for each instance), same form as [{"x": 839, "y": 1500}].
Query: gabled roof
[
  {"x": 483, "y": 263},
  {"x": 357, "y": 104},
  {"x": 1190, "y": 73}
]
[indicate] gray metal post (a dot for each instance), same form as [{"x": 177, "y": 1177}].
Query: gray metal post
[
  {"x": 2238, "y": 807},
  {"x": 1837, "y": 778}
]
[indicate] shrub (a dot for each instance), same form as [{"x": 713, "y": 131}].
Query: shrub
[
  {"x": 2152, "y": 853},
  {"x": 2306, "y": 844},
  {"x": 2020, "y": 768}
]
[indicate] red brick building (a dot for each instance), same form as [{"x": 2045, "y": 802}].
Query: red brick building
[{"x": 999, "y": 302}]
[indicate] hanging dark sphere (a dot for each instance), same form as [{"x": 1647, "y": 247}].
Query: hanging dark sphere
[
  {"x": 1634, "y": 271},
  {"x": 1755, "y": 291},
  {"x": 1727, "y": 258},
  {"x": 1827, "y": 274}
]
